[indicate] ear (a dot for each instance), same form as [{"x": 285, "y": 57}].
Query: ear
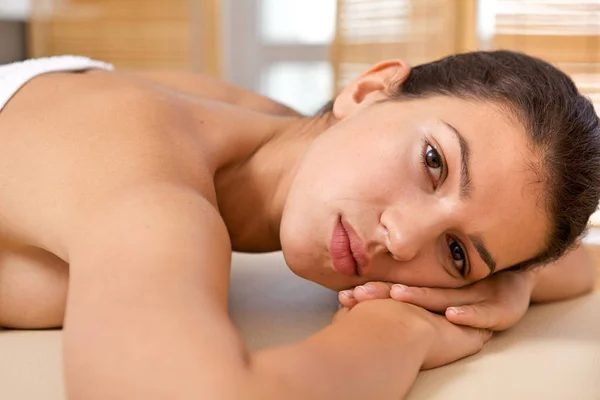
[{"x": 374, "y": 84}]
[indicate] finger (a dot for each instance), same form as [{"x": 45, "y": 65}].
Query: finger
[
  {"x": 372, "y": 290},
  {"x": 433, "y": 299},
  {"x": 483, "y": 315},
  {"x": 346, "y": 298}
]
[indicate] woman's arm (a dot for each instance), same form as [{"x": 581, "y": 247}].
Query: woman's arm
[
  {"x": 363, "y": 355},
  {"x": 373, "y": 351},
  {"x": 497, "y": 302},
  {"x": 572, "y": 275},
  {"x": 147, "y": 318},
  {"x": 215, "y": 89}
]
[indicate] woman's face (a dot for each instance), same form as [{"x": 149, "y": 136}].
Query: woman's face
[{"x": 435, "y": 192}]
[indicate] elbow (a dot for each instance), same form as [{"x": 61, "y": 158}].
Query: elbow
[
  {"x": 590, "y": 283},
  {"x": 573, "y": 275},
  {"x": 589, "y": 271}
]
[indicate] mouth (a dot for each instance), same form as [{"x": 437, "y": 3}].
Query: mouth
[{"x": 346, "y": 249}]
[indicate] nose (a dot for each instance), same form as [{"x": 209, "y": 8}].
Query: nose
[{"x": 405, "y": 235}]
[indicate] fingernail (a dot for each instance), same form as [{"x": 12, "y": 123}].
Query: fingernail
[
  {"x": 368, "y": 288},
  {"x": 401, "y": 288},
  {"x": 455, "y": 310},
  {"x": 348, "y": 293}
]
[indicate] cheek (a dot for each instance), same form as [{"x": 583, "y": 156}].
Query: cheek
[{"x": 364, "y": 170}]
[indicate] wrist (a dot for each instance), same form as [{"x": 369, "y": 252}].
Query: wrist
[
  {"x": 531, "y": 279},
  {"x": 374, "y": 351},
  {"x": 401, "y": 325},
  {"x": 526, "y": 281}
]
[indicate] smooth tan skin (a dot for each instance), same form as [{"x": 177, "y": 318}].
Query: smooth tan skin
[{"x": 111, "y": 186}]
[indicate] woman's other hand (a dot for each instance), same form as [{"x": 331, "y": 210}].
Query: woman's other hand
[{"x": 495, "y": 303}]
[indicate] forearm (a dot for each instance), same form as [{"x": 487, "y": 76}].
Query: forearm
[
  {"x": 362, "y": 356},
  {"x": 572, "y": 275}
]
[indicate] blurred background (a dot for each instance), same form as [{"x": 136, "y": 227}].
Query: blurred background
[{"x": 300, "y": 52}]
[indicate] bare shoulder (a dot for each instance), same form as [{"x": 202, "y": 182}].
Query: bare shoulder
[
  {"x": 70, "y": 141},
  {"x": 208, "y": 87}
]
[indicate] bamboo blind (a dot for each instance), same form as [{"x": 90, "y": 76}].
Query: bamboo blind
[
  {"x": 132, "y": 34},
  {"x": 418, "y": 31},
  {"x": 563, "y": 32}
]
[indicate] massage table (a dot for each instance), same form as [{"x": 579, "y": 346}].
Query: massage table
[{"x": 553, "y": 353}]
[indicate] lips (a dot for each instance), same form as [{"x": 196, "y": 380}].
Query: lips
[
  {"x": 356, "y": 247},
  {"x": 346, "y": 249},
  {"x": 341, "y": 254}
]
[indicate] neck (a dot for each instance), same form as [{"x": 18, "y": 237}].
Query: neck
[{"x": 261, "y": 156}]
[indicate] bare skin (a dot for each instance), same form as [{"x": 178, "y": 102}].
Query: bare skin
[{"x": 122, "y": 193}]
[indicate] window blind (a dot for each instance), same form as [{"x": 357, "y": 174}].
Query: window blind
[
  {"x": 369, "y": 31},
  {"x": 563, "y": 32}
]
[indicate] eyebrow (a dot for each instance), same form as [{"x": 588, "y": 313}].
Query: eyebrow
[
  {"x": 465, "y": 191},
  {"x": 465, "y": 153},
  {"x": 484, "y": 253}
]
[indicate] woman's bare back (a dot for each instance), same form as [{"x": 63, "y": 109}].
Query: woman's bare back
[{"x": 65, "y": 137}]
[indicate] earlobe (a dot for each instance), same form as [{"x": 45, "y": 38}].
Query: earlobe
[{"x": 376, "y": 83}]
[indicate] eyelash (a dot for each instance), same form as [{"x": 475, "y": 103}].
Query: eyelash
[
  {"x": 426, "y": 145},
  {"x": 462, "y": 271}
]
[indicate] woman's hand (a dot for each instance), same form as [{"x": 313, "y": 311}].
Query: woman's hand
[
  {"x": 445, "y": 342},
  {"x": 495, "y": 303}
]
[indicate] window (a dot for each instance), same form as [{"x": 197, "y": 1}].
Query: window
[
  {"x": 418, "y": 31},
  {"x": 14, "y": 9},
  {"x": 279, "y": 48},
  {"x": 297, "y": 21}
]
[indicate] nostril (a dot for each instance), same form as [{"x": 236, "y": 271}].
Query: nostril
[{"x": 386, "y": 235}]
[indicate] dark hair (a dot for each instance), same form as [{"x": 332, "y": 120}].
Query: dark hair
[{"x": 561, "y": 123}]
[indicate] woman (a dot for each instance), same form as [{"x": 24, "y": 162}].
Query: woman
[{"x": 128, "y": 192}]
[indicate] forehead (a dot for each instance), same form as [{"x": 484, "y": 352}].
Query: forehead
[{"x": 506, "y": 204}]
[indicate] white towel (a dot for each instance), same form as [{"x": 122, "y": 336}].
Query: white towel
[{"x": 14, "y": 76}]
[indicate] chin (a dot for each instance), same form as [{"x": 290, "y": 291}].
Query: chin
[
  {"x": 317, "y": 271},
  {"x": 307, "y": 256}
]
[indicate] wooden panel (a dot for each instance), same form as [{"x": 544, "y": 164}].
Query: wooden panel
[
  {"x": 211, "y": 37},
  {"x": 138, "y": 34},
  {"x": 466, "y": 26}
]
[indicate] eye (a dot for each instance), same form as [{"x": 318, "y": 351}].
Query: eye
[
  {"x": 457, "y": 255},
  {"x": 433, "y": 164}
]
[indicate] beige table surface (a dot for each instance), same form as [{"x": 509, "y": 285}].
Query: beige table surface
[{"x": 554, "y": 353}]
